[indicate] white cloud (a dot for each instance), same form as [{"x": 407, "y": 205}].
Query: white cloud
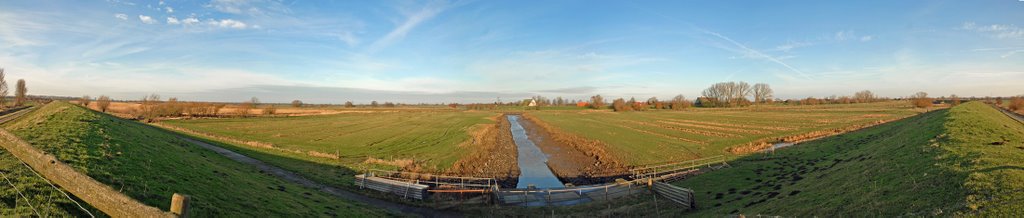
[
  {"x": 173, "y": 21},
  {"x": 121, "y": 16},
  {"x": 190, "y": 21},
  {"x": 169, "y": 9},
  {"x": 227, "y": 23},
  {"x": 147, "y": 19},
  {"x": 866, "y": 38},
  {"x": 411, "y": 21}
]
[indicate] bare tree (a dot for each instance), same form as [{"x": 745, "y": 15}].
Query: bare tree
[
  {"x": 244, "y": 107},
  {"x": 349, "y": 104},
  {"x": 864, "y": 96},
  {"x": 954, "y": 100},
  {"x": 762, "y": 93},
  {"x": 373, "y": 104},
  {"x": 269, "y": 110},
  {"x": 85, "y": 101},
  {"x": 103, "y": 103},
  {"x": 1016, "y": 103},
  {"x": 20, "y": 93},
  {"x": 726, "y": 94},
  {"x": 921, "y": 100},
  {"x": 679, "y": 102},
  {"x": 620, "y": 105},
  {"x": 3, "y": 89},
  {"x": 296, "y": 103},
  {"x": 255, "y": 101},
  {"x": 597, "y": 102}
]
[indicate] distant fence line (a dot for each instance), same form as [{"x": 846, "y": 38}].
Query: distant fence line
[{"x": 97, "y": 194}]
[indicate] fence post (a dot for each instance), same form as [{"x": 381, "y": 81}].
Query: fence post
[{"x": 179, "y": 205}]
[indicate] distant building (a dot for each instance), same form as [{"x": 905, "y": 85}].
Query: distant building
[
  {"x": 582, "y": 104},
  {"x": 533, "y": 103}
]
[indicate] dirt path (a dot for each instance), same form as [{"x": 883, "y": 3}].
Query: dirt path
[
  {"x": 1011, "y": 114},
  {"x": 347, "y": 195}
]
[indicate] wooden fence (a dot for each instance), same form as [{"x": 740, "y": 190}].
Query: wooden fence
[
  {"x": 97, "y": 194},
  {"x": 671, "y": 171},
  {"x": 569, "y": 195},
  {"x": 677, "y": 194}
]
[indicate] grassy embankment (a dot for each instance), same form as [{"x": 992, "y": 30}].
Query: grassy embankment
[
  {"x": 639, "y": 138},
  {"x": 150, "y": 165},
  {"x": 968, "y": 160},
  {"x": 434, "y": 139}
]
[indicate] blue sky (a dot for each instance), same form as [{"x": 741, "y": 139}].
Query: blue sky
[{"x": 475, "y": 51}]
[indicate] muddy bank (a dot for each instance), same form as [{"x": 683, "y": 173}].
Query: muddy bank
[
  {"x": 494, "y": 154},
  {"x": 533, "y": 163},
  {"x": 572, "y": 158}
]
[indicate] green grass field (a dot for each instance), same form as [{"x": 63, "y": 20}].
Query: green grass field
[
  {"x": 431, "y": 138},
  {"x": 968, "y": 160},
  {"x": 41, "y": 197},
  {"x": 150, "y": 165},
  {"x": 639, "y": 138}
]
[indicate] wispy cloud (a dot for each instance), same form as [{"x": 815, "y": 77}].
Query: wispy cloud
[
  {"x": 751, "y": 53},
  {"x": 847, "y": 35},
  {"x": 411, "y": 21},
  {"x": 121, "y": 16},
  {"x": 173, "y": 21},
  {"x": 1001, "y": 31}
]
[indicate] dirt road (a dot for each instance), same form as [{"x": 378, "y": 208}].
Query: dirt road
[{"x": 297, "y": 179}]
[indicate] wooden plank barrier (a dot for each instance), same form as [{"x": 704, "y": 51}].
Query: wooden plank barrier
[
  {"x": 677, "y": 194},
  {"x": 400, "y": 188}
]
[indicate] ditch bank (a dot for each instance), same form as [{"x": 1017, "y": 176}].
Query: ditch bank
[{"x": 573, "y": 159}]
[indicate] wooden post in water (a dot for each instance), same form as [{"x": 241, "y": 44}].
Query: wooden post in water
[{"x": 179, "y": 205}]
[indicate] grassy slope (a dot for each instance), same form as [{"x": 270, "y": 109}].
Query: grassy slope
[
  {"x": 941, "y": 162},
  {"x": 431, "y": 137},
  {"x": 49, "y": 202},
  {"x": 150, "y": 165},
  {"x": 648, "y": 137}
]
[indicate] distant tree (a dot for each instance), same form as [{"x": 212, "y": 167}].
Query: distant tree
[
  {"x": 270, "y": 110},
  {"x": 679, "y": 102},
  {"x": 296, "y": 103},
  {"x": 254, "y": 101},
  {"x": 921, "y": 100},
  {"x": 389, "y": 104},
  {"x": 620, "y": 105},
  {"x": 84, "y": 101},
  {"x": 1016, "y": 103},
  {"x": 999, "y": 101},
  {"x": 633, "y": 104},
  {"x": 348, "y": 104},
  {"x": 103, "y": 102},
  {"x": 597, "y": 102},
  {"x": 20, "y": 93},
  {"x": 811, "y": 101},
  {"x": 954, "y": 100},
  {"x": 373, "y": 104},
  {"x": 762, "y": 93},
  {"x": 653, "y": 101},
  {"x": 726, "y": 94},
  {"x": 864, "y": 96},
  {"x": 3, "y": 89}
]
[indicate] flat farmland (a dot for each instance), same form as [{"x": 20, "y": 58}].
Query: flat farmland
[
  {"x": 639, "y": 138},
  {"x": 430, "y": 139}
]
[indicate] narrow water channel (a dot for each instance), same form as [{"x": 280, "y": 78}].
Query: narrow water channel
[{"x": 533, "y": 163}]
